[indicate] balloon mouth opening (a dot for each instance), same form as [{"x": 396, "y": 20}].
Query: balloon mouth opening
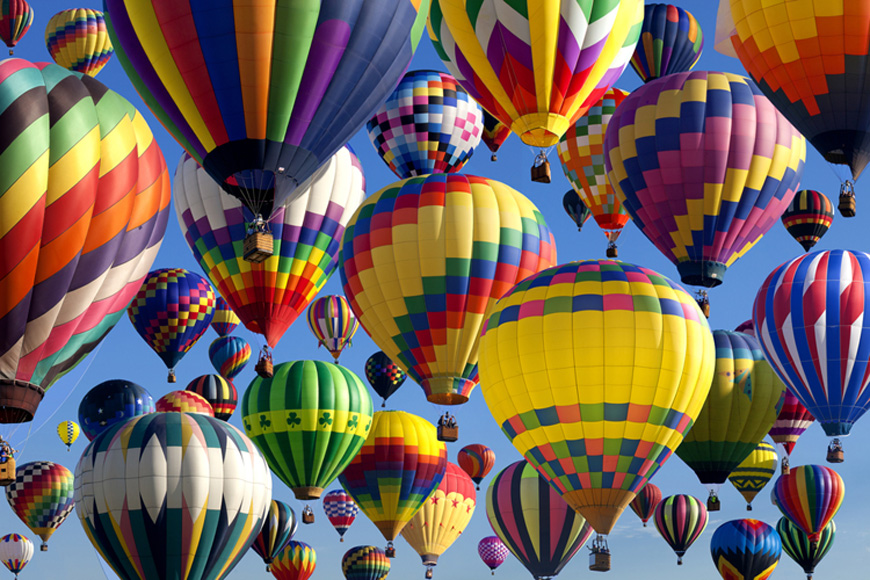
[
  {"x": 837, "y": 429},
  {"x": 448, "y": 390},
  {"x": 307, "y": 493},
  {"x": 708, "y": 274},
  {"x": 19, "y": 400}
]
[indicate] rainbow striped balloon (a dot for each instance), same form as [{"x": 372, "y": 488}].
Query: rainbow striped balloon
[
  {"x": 184, "y": 402},
  {"x": 365, "y": 563},
  {"x": 680, "y": 519},
  {"x": 229, "y": 355},
  {"x": 225, "y": 320},
  {"x": 333, "y": 323},
  {"x": 296, "y": 561},
  {"x": 16, "y": 16},
  {"x": 644, "y": 505},
  {"x": 219, "y": 392},
  {"x": 77, "y": 40},
  {"x": 476, "y": 460},
  {"x": 15, "y": 552},
  {"x": 745, "y": 550},
  {"x": 810, "y": 496},
  {"x": 42, "y": 497}
]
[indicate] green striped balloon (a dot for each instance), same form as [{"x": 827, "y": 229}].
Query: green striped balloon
[
  {"x": 797, "y": 545},
  {"x": 309, "y": 420}
]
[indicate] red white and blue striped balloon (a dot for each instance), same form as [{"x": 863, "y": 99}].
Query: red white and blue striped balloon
[
  {"x": 340, "y": 509},
  {"x": 809, "y": 318}
]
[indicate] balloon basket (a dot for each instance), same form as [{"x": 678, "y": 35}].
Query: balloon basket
[
  {"x": 171, "y": 377},
  {"x": 258, "y": 247},
  {"x": 7, "y": 471},
  {"x": 713, "y": 504},
  {"x": 493, "y": 157},
  {"x": 43, "y": 547},
  {"x": 308, "y": 517},
  {"x": 835, "y": 456},
  {"x": 785, "y": 469},
  {"x": 429, "y": 574},
  {"x": 390, "y": 551},
  {"x": 448, "y": 434},
  {"x": 599, "y": 561},
  {"x": 265, "y": 368},
  {"x": 541, "y": 173},
  {"x": 847, "y": 205},
  {"x": 612, "y": 252}
]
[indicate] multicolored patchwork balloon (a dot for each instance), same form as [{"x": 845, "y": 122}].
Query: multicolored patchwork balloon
[
  {"x": 424, "y": 259},
  {"x": 269, "y": 296},
  {"x": 184, "y": 402},
  {"x": 333, "y": 323},
  {"x": 220, "y": 393},
  {"x": 16, "y": 16},
  {"x": 365, "y": 563},
  {"x": 476, "y": 460},
  {"x": 384, "y": 375},
  {"x": 493, "y": 552},
  {"x": 810, "y": 496},
  {"x": 398, "y": 468},
  {"x": 110, "y": 402},
  {"x": 535, "y": 65},
  {"x": 224, "y": 320},
  {"x": 428, "y": 124},
  {"x": 808, "y": 217},
  {"x": 705, "y": 165},
  {"x": 745, "y": 550},
  {"x": 296, "y": 561},
  {"x": 172, "y": 495},
  {"x": 533, "y": 521},
  {"x": 309, "y": 420},
  {"x": 262, "y": 99},
  {"x": 579, "y": 323},
  {"x": 754, "y": 472},
  {"x": 799, "y": 548},
  {"x": 171, "y": 311},
  {"x": 671, "y": 41},
  {"x": 68, "y": 431},
  {"x": 15, "y": 552},
  {"x": 644, "y": 504},
  {"x": 229, "y": 355},
  {"x": 85, "y": 210},
  {"x": 42, "y": 497},
  {"x": 278, "y": 529},
  {"x": 680, "y": 519},
  {"x": 77, "y": 40},
  {"x": 581, "y": 151},
  {"x": 495, "y": 133},
  {"x": 340, "y": 510}
]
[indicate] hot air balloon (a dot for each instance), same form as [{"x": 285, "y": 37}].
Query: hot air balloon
[
  {"x": 557, "y": 63},
  {"x": 443, "y": 517},
  {"x": 188, "y": 495},
  {"x": 814, "y": 338},
  {"x": 494, "y": 134},
  {"x": 717, "y": 172},
  {"x": 476, "y": 460},
  {"x": 296, "y": 561},
  {"x": 68, "y": 431},
  {"x": 277, "y": 531},
  {"x": 429, "y": 124},
  {"x": 220, "y": 393},
  {"x": 91, "y": 196},
  {"x": 754, "y": 472},
  {"x": 286, "y": 88},
  {"x": 582, "y": 155},
  {"x": 747, "y": 327},
  {"x": 823, "y": 93},
  {"x": 792, "y": 421},
  {"x": 644, "y": 504},
  {"x": 365, "y": 563},
  {"x": 112, "y": 402},
  {"x": 171, "y": 312},
  {"x": 15, "y": 552},
  {"x": 808, "y": 217},
  {"x": 493, "y": 552},
  {"x": 309, "y": 420},
  {"x": 575, "y": 208},
  {"x": 224, "y": 320},
  {"x": 229, "y": 355},
  {"x": 269, "y": 296},
  {"x": 745, "y": 550},
  {"x": 798, "y": 547},
  {"x": 42, "y": 497},
  {"x": 633, "y": 329},
  {"x": 333, "y": 323},
  {"x": 340, "y": 510},
  {"x": 400, "y": 465},
  {"x": 680, "y": 519},
  {"x": 536, "y": 525},
  {"x": 16, "y": 16},
  {"x": 384, "y": 375},
  {"x": 77, "y": 40},
  {"x": 184, "y": 402},
  {"x": 742, "y": 405},
  {"x": 424, "y": 259},
  {"x": 810, "y": 496},
  {"x": 671, "y": 41}
]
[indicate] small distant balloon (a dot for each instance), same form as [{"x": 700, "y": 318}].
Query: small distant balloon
[{"x": 68, "y": 431}]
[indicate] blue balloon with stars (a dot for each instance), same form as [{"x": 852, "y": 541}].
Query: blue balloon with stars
[{"x": 112, "y": 402}]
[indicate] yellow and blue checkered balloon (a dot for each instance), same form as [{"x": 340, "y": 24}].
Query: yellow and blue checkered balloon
[{"x": 68, "y": 431}]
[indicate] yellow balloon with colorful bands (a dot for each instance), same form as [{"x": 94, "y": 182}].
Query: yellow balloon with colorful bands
[
  {"x": 77, "y": 40},
  {"x": 754, "y": 472}
]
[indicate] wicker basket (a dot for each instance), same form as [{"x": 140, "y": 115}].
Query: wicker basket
[
  {"x": 448, "y": 434},
  {"x": 541, "y": 173},
  {"x": 835, "y": 456},
  {"x": 258, "y": 246},
  {"x": 612, "y": 252},
  {"x": 713, "y": 504},
  {"x": 7, "y": 471},
  {"x": 599, "y": 561},
  {"x": 847, "y": 205},
  {"x": 265, "y": 368},
  {"x": 307, "y": 517}
]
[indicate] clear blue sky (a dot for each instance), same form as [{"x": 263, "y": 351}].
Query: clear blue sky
[{"x": 637, "y": 552}]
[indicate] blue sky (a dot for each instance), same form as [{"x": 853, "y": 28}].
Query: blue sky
[{"x": 637, "y": 552}]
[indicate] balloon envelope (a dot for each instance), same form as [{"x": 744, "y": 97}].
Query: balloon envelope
[
  {"x": 384, "y": 375},
  {"x": 68, "y": 431},
  {"x": 110, "y": 402},
  {"x": 16, "y": 16},
  {"x": 492, "y": 551},
  {"x": 220, "y": 393},
  {"x": 340, "y": 510},
  {"x": 792, "y": 421},
  {"x": 365, "y": 563},
  {"x": 797, "y": 545},
  {"x": 745, "y": 549},
  {"x": 476, "y": 460},
  {"x": 671, "y": 41},
  {"x": 680, "y": 519},
  {"x": 224, "y": 320},
  {"x": 77, "y": 40},
  {"x": 808, "y": 217},
  {"x": 229, "y": 355},
  {"x": 15, "y": 552},
  {"x": 297, "y": 561},
  {"x": 810, "y": 496},
  {"x": 644, "y": 504},
  {"x": 42, "y": 497},
  {"x": 754, "y": 472},
  {"x": 278, "y": 529},
  {"x": 333, "y": 323}
]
